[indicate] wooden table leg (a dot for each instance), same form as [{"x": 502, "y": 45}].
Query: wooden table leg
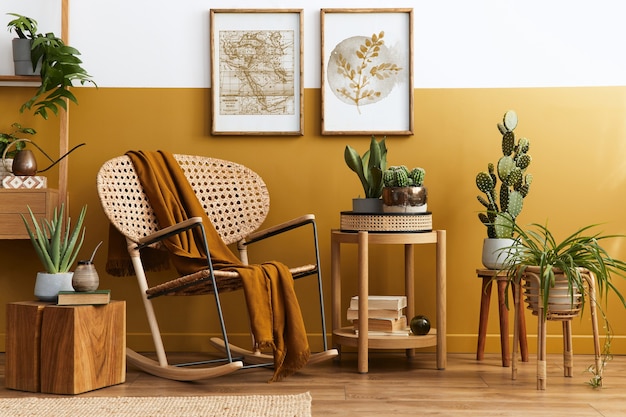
[
  {"x": 335, "y": 289},
  {"x": 409, "y": 286},
  {"x": 485, "y": 299},
  {"x": 442, "y": 349},
  {"x": 363, "y": 255}
]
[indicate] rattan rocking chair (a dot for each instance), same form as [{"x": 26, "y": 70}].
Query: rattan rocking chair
[{"x": 236, "y": 201}]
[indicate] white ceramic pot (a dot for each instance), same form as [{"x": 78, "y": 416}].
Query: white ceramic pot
[
  {"x": 493, "y": 256},
  {"x": 47, "y": 286}
]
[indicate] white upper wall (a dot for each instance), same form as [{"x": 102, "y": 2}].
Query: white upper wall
[{"x": 457, "y": 43}]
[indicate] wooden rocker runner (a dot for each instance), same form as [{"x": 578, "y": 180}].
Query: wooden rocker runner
[{"x": 225, "y": 204}]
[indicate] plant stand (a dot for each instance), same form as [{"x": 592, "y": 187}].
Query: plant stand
[{"x": 568, "y": 355}]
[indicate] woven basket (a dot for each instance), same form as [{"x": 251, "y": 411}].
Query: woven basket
[{"x": 386, "y": 222}]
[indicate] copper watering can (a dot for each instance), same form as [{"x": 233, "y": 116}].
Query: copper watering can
[{"x": 24, "y": 162}]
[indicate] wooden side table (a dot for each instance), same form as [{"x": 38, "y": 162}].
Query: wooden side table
[
  {"x": 488, "y": 276},
  {"x": 65, "y": 349},
  {"x": 346, "y": 335}
]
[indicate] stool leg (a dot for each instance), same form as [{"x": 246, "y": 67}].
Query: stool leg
[
  {"x": 485, "y": 299},
  {"x": 568, "y": 355},
  {"x": 522, "y": 336},
  {"x": 504, "y": 324},
  {"x": 516, "y": 330},
  {"x": 541, "y": 350}
]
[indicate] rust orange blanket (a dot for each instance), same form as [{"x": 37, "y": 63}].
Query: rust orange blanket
[{"x": 274, "y": 311}]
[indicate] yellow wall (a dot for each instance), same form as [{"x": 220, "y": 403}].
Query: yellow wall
[{"x": 577, "y": 142}]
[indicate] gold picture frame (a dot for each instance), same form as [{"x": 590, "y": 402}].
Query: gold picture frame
[
  {"x": 257, "y": 71},
  {"x": 367, "y": 71}
]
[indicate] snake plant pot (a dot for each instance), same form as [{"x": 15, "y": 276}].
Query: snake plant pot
[
  {"x": 563, "y": 302},
  {"x": 367, "y": 205},
  {"x": 405, "y": 199},
  {"x": 47, "y": 286},
  {"x": 493, "y": 256}
]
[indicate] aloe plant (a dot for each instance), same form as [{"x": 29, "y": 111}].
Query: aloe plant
[
  {"x": 55, "y": 242},
  {"x": 369, "y": 167}
]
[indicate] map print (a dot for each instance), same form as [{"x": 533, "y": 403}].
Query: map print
[{"x": 256, "y": 72}]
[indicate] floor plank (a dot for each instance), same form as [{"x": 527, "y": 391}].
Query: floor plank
[{"x": 397, "y": 386}]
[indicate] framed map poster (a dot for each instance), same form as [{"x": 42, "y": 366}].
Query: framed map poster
[
  {"x": 257, "y": 71},
  {"x": 367, "y": 71}
]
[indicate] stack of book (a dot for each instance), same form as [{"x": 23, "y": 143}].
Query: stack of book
[{"x": 385, "y": 315}]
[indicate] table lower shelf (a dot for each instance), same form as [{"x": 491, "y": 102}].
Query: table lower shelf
[{"x": 345, "y": 336}]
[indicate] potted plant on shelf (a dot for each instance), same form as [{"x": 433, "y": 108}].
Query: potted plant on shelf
[
  {"x": 403, "y": 190},
  {"x": 57, "y": 246},
  {"x": 26, "y": 29},
  {"x": 60, "y": 68},
  {"x": 503, "y": 204},
  {"x": 556, "y": 275},
  {"x": 13, "y": 137},
  {"x": 369, "y": 168}
]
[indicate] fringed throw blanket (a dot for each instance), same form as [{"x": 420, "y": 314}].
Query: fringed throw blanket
[{"x": 274, "y": 311}]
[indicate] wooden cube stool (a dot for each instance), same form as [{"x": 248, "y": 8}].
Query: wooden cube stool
[
  {"x": 488, "y": 276},
  {"x": 65, "y": 349}
]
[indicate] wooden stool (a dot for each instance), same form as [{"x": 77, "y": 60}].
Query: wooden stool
[{"x": 487, "y": 276}]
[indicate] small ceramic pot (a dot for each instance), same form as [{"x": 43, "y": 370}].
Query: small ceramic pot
[{"x": 47, "y": 286}]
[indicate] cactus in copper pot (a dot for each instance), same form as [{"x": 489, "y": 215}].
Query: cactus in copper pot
[
  {"x": 400, "y": 176},
  {"x": 503, "y": 205}
]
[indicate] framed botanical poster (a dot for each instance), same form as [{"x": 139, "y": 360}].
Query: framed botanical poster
[
  {"x": 367, "y": 71},
  {"x": 256, "y": 71}
]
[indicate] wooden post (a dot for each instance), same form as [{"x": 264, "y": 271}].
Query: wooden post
[{"x": 64, "y": 119}]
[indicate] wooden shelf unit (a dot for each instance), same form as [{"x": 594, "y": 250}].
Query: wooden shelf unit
[{"x": 13, "y": 202}]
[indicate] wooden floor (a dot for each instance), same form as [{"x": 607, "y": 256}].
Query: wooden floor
[{"x": 397, "y": 386}]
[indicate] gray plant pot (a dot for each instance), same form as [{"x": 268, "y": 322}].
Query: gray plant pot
[
  {"x": 22, "y": 63},
  {"x": 367, "y": 205}
]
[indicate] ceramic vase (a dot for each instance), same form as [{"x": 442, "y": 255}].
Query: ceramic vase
[{"x": 85, "y": 277}]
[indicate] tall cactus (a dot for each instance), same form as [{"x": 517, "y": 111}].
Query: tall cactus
[{"x": 514, "y": 182}]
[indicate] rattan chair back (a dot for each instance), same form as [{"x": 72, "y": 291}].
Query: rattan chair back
[{"x": 234, "y": 197}]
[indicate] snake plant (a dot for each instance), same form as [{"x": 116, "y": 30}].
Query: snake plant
[{"x": 369, "y": 167}]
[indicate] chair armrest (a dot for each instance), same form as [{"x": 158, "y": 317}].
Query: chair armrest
[
  {"x": 169, "y": 231},
  {"x": 279, "y": 228}
]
